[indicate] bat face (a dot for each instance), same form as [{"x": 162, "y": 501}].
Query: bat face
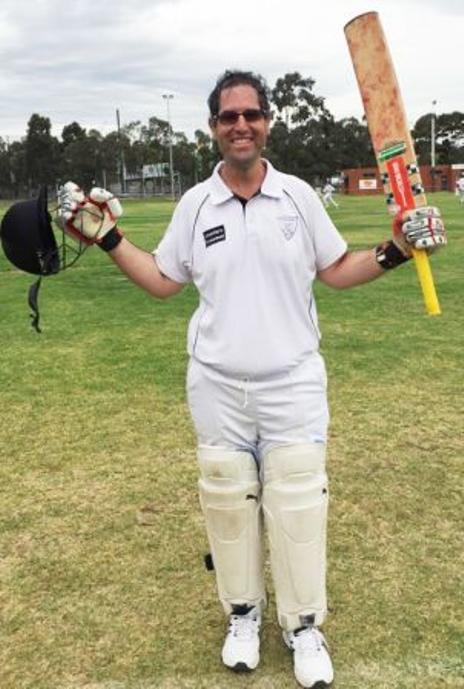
[
  {"x": 385, "y": 113},
  {"x": 389, "y": 131}
]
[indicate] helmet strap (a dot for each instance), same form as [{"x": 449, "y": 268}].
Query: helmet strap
[{"x": 33, "y": 301}]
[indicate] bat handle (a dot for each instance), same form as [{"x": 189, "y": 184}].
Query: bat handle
[{"x": 424, "y": 273}]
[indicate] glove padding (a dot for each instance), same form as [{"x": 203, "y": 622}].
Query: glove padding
[
  {"x": 87, "y": 218},
  {"x": 419, "y": 228}
]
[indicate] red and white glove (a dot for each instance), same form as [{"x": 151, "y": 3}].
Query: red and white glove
[
  {"x": 419, "y": 228},
  {"x": 87, "y": 219}
]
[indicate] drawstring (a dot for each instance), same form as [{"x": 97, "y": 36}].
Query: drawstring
[{"x": 244, "y": 386}]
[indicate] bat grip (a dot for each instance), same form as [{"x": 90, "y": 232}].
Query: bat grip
[{"x": 426, "y": 282}]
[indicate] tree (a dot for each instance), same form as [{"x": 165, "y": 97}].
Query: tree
[
  {"x": 71, "y": 133},
  {"x": 299, "y": 139},
  {"x": 352, "y": 145},
  {"x": 42, "y": 152},
  {"x": 5, "y": 179},
  {"x": 133, "y": 142},
  {"x": 304, "y": 140},
  {"x": 18, "y": 166},
  {"x": 295, "y": 101},
  {"x": 110, "y": 157},
  {"x": 449, "y": 138},
  {"x": 81, "y": 155},
  {"x": 206, "y": 154}
]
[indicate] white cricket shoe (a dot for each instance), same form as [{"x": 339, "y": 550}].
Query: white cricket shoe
[
  {"x": 311, "y": 660},
  {"x": 241, "y": 647}
]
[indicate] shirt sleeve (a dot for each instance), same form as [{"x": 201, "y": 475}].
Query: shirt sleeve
[
  {"x": 329, "y": 245},
  {"x": 174, "y": 252}
]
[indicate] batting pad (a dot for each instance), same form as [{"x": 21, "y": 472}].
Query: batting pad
[
  {"x": 230, "y": 497},
  {"x": 295, "y": 501}
]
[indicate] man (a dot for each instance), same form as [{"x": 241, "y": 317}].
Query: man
[
  {"x": 460, "y": 188},
  {"x": 253, "y": 240},
  {"x": 327, "y": 195}
]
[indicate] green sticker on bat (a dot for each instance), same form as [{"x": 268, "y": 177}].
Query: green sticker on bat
[{"x": 392, "y": 151}]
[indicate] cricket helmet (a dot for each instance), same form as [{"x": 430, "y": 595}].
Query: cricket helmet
[
  {"x": 27, "y": 237},
  {"x": 29, "y": 243}
]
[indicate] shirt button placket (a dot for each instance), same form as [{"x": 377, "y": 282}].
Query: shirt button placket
[{"x": 250, "y": 221}]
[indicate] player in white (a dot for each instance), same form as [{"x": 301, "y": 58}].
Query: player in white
[
  {"x": 327, "y": 195},
  {"x": 460, "y": 188},
  {"x": 253, "y": 240}
]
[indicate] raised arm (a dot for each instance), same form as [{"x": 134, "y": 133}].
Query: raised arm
[
  {"x": 421, "y": 228},
  {"x": 93, "y": 219},
  {"x": 353, "y": 268},
  {"x": 140, "y": 266}
]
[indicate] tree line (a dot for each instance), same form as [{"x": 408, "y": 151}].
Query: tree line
[{"x": 305, "y": 140}]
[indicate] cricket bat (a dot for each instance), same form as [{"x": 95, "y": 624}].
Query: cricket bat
[{"x": 389, "y": 131}]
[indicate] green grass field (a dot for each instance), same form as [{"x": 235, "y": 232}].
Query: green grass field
[{"x": 102, "y": 584}]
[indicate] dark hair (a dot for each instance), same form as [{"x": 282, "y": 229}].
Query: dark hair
[{"x": 232, "y": 78}]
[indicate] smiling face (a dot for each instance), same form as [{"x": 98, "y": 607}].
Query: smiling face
[{"x": 240, "y": 143}]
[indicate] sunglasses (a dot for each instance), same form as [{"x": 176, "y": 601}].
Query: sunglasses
[{"x": 228, "y": 117}]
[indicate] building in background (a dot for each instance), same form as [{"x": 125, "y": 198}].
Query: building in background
[{"x": 366, "y": 181}]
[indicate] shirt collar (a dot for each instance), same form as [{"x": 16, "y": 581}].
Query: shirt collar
[
  {"x": 272, "y": 183},
  {"x": 220, "y": 192},
  {"x": 271, "y": 186}
]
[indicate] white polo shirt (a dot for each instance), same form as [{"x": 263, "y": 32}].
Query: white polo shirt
[{"x": 253, "y": 266}]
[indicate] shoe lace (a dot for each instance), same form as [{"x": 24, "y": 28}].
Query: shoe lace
[
  {"x": 307, "y": 640},
  {"x": 242, "y": 626}
]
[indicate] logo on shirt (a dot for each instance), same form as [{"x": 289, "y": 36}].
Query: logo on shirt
[
  {"x": 288, "y": 225},
  {"x": 214, "y": 235}
]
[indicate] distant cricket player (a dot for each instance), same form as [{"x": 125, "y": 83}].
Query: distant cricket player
[
  {"x": 253, "y": 240},
  {"x": 460, "y": 188},
  {"x": 327, "y": 195}
]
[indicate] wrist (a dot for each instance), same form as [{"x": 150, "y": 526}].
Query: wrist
[
  {"x": 389, "y": 256},
  {"x": 110, "y": 240}
]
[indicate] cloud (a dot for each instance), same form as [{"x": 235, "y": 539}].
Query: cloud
[{"x": 82, "y": 60}]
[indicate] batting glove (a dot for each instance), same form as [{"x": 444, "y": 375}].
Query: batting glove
[
  {"x": 420, "y": 228},
  {"x": 87, "y": 219}
]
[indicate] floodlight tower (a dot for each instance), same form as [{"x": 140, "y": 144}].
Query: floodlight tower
[
  {"x": 432, "y": 134},
  {"x": 432, "y": 143},
  {"x": 168, "y": 97}
]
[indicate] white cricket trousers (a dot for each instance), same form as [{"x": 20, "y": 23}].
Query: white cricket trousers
[
  {"x": 282, "y": 422},
  {"x": 243, "y": 413}
]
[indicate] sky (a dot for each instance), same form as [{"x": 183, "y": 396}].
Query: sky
[{"x": 83, "y": 60}]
